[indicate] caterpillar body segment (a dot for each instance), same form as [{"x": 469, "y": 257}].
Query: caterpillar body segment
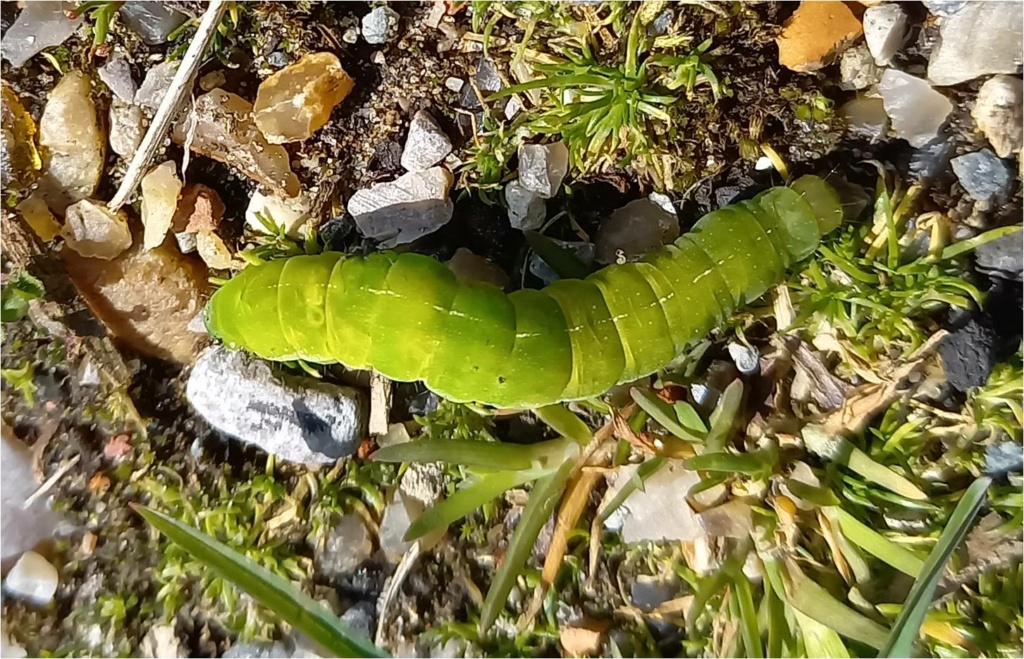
[{"x": 410, "y": 318}]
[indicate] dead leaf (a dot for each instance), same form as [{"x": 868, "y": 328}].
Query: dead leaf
[
  {"x": 99, "y": 484},
  {"x": 827, "y": 391},
  {"x": 580, "y": 641},
  {"x": 117, "y": 447}
]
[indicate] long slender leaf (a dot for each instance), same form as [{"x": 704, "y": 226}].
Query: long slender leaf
[
  {"x": 468, "y": 499},
  {"x": 748, "y": 617},
  {"x": 878, "y": 545},
  {"x": 543, "y": 499},
  {"x": 820, "y": 640},
  {"x": 271, "y": 590},
  {"x": 724, "y": 416},
  {"x": 560, "y": 259},
  {"x": 908, "y": 625},
  {"x": 565, "y": 422},
  {"x": 815, "y": 602},
  {"x": 963, "y": 246},
  {"x": 643, "y": 472},
  {"x": 663, "y": 413},
  {"x": 745, "y": 463},
  {"x": 482, "y": 455}
]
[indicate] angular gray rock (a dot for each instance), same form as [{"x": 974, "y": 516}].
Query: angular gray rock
[
  {"x": 917, "y": 111},
  {"x": 1002, "y": 257},
  {"x": 999, "y": 115},
  {"x": 660, "y": 510},
  {"x": 945, "y": 7},
  {"x": 426, "y": 145},
  {"x": 857, "y": 68},
  {"x": 400, "y": 211},
  {"x": 398, "y": 515},
  {"x": 127, "y": 128},
  {"x": 379, "y": 24},
  {"x": 542, "y": 167},
  {"x": 634, "y": 230},
  {"x": 152, "y": 21},
  {"x": 155, "y": 85},
  {"x": 347, "y": 546},
  {"x": 527, "y": 210},
  {"x": 984, "y": 176},
  {"x": 1003, "y": 457},
  {"x": 295, "y": 418},
  {"x": 978, "y": 39},
  {"x": 360, "y": 616},
  {"x": 39, "y": 26},
  {"x": 865, "y": 117},
  {"x": 21, "y": 528},
  {"x": 33, "y": 579},
  {"x": 932, "y": 159},
  {"x": 117, "y": 75},
  {"x": 885, "y": 27}
]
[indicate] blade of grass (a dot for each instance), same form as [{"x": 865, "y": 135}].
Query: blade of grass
[
  {"x": 963, "y": 246},
  {"x": 815, "y": 602},
  {"x": 560, "y": 259},
  {"x": 563, "y": 421},
  {"x": 663, "y": 413},
  {"x": 820, "y": 640},
  {"x": 724, "y": 416},
  {"x": 748, "y": 615},
  {"x": 878, "y": 545},
  {"x": 750, "y": 464},
  {"x": 271, "y": 590},
  {"x": 843, "y": 452},
  {"x": 546, "y": 493},
  {"x": 907, "y": 627},
  {"x": 481, "y": 455},
  {"x": 468, "y": 499},
  {"x": 643, "y": 472}
]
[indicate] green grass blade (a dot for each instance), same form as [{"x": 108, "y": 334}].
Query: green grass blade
[
  {"x": 820, "y": 640},
  {"x": 560, "y": 259},
  {"x": 543, "y": 499},
  {"x": 663, "y": 413},
  {"x": 468, "y": 499},
  {"x": 724, "y": 416},
  {"x": 878, "y": 545},
  {"x": 748, "y": 615},
  {"x": 469, "y": 453},
  {"x": 747, "y": 463},
  {"x": 270, "y": 590},
  {"x": 815, "y": 602},
  {"x": 563, "y": 421},
  {"x": 956, "y": 249},
  {"x": 908, "y": 625}
]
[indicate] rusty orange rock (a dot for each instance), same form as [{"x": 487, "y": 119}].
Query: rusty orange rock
[{"x": 815, "y": 34}]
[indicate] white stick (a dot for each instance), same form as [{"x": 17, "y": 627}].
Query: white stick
[{"x": 180, "y": 87}]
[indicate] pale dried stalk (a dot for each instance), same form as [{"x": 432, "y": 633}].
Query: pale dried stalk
[{"x": 180, "y": 87}]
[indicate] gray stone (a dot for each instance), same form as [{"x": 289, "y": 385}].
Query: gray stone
[
  {"x": 1004, "y": 457},
  {"x": 21, "y": 528},
  {"x": 277, "y": 59},
  {"x": 405, "y": 209},
  {"x": 527, "y": 210},
  {"x": 857, "y": 68},
  {"x": 379, "y": 25},
  {"x": 649, "y": 592},
  {"x": 917, "y": 111},
  {"x": 155, "y": 85},
  {"x": 1002, "y": 257},
  {"x": 33, "y": 579},
  {"x": 152, "y": 21},
  {"x": 127, "y": 128},
  {"x": 983, "y": 175},
  {"x": 426, "y": 145},
  {"x": 885, "y": 27},
  {"x": 295, "y": 418},
  {"x": 745, "y": 357},
  {"x": 117, "y": 75},
  {"x": 360, "y": 617},
  {"x": 541, "y": 270},
  {"x": 932, "y": 159},
  {"x": 424, "y": 482},
  {"x": 981, "y": 38},
  {"x": 865, "y": 117},
  {"x": 398, "y": 515},
  {"x": 487, "y": 77},
  {"x": 39, "y": 26},
  {"x": 660, "y": 511},
  {"x": 998, "y": 113},
  {"x": 661, "y": 23},
  {"x": 542, "y": 167},
  {"x": 733, "y": 519},
  {"x": 634, "y": 230},
  {"x": 348, "y": 545},
  {"x": 945, "y": 7}
]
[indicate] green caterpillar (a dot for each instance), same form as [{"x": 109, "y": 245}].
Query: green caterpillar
[{"x": 408, "y": 317}]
